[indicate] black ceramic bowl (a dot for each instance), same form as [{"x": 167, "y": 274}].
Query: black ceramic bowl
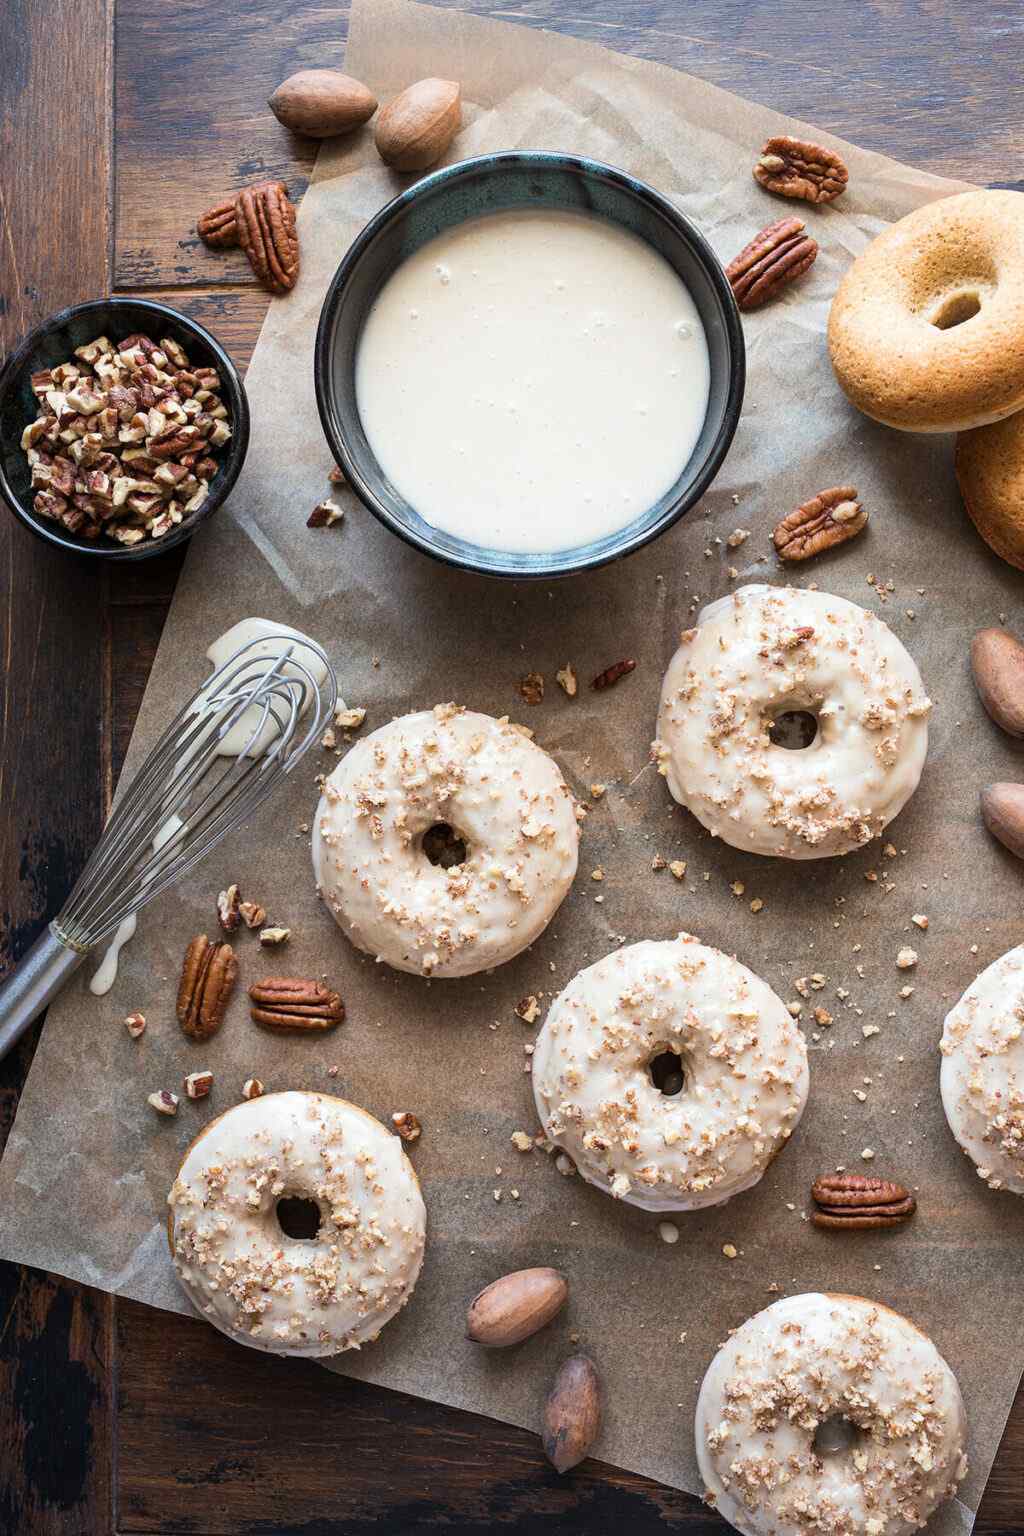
[
  {"x": 54, "y": 342},
  {"x": 497, "y": 183}
]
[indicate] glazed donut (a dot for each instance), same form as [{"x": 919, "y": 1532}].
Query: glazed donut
[
  {"x": 297, "y": 1295},
  {"x": 990, "y": 470},
  {"x": 766, "y": 652},
  {"x": 982, "y": 1076},
  {"x": 738, "y": 1064},
  {"x": 510, "y": 816},
  {"x": 926, "y": 331},
  {"x": 831, "y": 1415}
]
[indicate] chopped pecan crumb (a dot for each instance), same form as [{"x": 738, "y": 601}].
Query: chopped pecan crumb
[
  {"x": 531, "y": 688},
  {"x": 252, "y": 1088},
  {"x": 271, "y": 936},
  {"x": 253, "y": 915},
  {"x": 325, "y": 514},
  {"x": 611, "y": 675},
  {"x": 677, "y": 867},
  {"x": 135, "y": 1024},
  {"x": 528, "y": 1008},
  {"x": 567, "y": 681},
  {"x": 228, "y": 909},
  {"x": 349, "y": 719},
  {"x": 407, "y": 1126},
  {"x": 198, "y": 1084},
  {"x": 164, "y": 1102}
]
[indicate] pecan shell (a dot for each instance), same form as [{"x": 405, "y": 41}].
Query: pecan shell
[
  {"x": 292, "y": 1003},
  {"x": 797, "y": 168},
  {"x": 266, "y": 233},
  {"x": 859, "y": 1202},
  {"x": 218, "y": 227},
  {"x": 776, "y": 256},
  {"x": 828, "y": 519},
  {"x": 208, "y": 977}
]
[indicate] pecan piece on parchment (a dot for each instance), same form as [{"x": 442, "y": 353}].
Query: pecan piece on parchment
[
  {"x": 828, "y": 519},
  {"x": 856, "y": 1201},
  {"x": 218, "y": 227},
  {"x": 208, "y": 978},
  {"x": 797, "y": 168},
  {"x": 293, "y": 1003},
  {"x": 776, "y": 256},
  {"x": 266, "y": 233}
]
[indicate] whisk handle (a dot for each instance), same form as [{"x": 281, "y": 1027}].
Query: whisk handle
[{"x": 34, "y": 982}]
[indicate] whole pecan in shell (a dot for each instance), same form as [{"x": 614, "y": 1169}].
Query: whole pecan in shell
[
  {"x": 218, "y": 227},
  {"x": 797, "y": 168},
  {"x": 859, "y": 1202},
  {"x": 208, "y": 977},
  {"x": 266, "y": 233},
  {"x": 830, "y": 518},
  {"x": 293, "y": 1003},
  {"x": 776, "y": 256}
]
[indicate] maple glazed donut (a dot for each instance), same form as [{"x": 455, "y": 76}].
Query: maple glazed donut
[
  {"x": 754, "y": 661},
  {"x": 733, "y": 1092},
  {"x": 982, "y": 1076},
  {"x": 926, "y": 331},
  {"x": 832, "y": 1415},
  {"x": 297, "y": 1295},
  {"x": 421, "y": 793}
]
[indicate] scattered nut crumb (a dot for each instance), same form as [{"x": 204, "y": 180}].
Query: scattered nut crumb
[
  {"x": 678, "y": 868},
  {"x": 164, "y": 1102},
  {"x": 737, "y": 887},
  {"x": 906, "y": 958},
  {"x": 566, "y": 679},
  {"x": 730, "y": 1250},
  {"x": 252, "y": 1088},
  {"x": 531, "y": 688},
  {"x": 135, "y": 1024},
  {"x": 737, "y": 537},
  {"x": 329, "y": 740},
  {"x": 198, "y": 1084},
  {"x": 658, "y": 862},
  {"x": 867, "y": 1154},
  {"x": 272, "y": 936},
  {"x": 337, "y": 475},
  {"x": 597, "y": 791},
  {"x": 822, "y": 1017},
  {"x": 325, "y": 514},
  {"x": 522, "y": 1142},
  {"x": 920, "y": 920},
  {"x": 228, "y": 909},
  {"x": 253, "y": 915},
  {"x": 407, "y": 1126},
  {"x": 528, "y": 1008},
  {"x": 867, "y": 1030},
  {"x": 349, "y": 719},
  {"x": 757, "y": 904},
  {"x": 668, "y": 1231}
]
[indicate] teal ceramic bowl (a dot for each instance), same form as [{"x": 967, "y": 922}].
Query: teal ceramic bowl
[{"x": 499, "y": 183}]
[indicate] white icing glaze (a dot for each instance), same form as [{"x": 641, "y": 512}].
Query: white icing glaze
[
  {"x": 982, "y": 1077},
  {"x": 580, "y": 389},
  {"x": 806, "y": 1360},
  {"x": 269, "y": 632},
  {"x": 500, "y": 792},
  {"x": 767, "y": 650},
  {"x": 293, "y": 1296},
  {"x": 106, "y": 971},
  {"x": 744, "y": 1062}
]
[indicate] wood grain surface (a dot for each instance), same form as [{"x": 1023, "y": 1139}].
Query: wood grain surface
[{"x": 116, "y": 133}]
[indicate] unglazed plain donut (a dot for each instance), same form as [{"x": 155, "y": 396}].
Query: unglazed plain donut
[
  {"x": 808, "y": 1363},
  {"x": 982, "y": 1076},
  {"x": 742, "y": 1060},
  {"x": 501, "y": 795},
  {"x": 926, "y": 331},
  {"x": 770, "y": 651},
  {"x": 990, "y": 471},
  {"x": 297, "y": 1295}
]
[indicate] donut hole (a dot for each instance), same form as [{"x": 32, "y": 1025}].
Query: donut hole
[
  {"x": 298, "y": 1217},
  {"x": 666, "y": 1069},
  {"x": 443, "y": 846},
  {"x": 836, "y": 1436},
  {"x": 955, "y": 309},
  {"x": 793, "y": 729}
]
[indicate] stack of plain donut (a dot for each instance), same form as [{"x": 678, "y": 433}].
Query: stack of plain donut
[{"x": 926, "y": 334}]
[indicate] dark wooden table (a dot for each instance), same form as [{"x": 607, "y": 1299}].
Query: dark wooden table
[{"x": 117, "y": 127}]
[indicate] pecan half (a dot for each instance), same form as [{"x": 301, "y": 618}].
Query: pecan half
[
  {"x": 796, "y": 168},
  {"x": 828, "y": 519},
  {"x": 611, "y": 675},
  {"x": 776, "y": 256},
  {"x": 266, "y": 233},
  {"x": 208, "y": 978},
  {"x": 856, "y": 1201},
  {"x": 292, "y": 1003},
  {"x": 218, "y": 227}
]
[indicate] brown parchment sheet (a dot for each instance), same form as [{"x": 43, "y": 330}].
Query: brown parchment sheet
[{"x": 88, "y": 1165}]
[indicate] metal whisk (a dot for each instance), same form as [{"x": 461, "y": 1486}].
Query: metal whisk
[{"x": 227, "y": 749}]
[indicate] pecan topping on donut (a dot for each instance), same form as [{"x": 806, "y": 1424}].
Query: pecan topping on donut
[
  {"x": 778, "y": 255},
  {"x": 266, "y": 232},
  {"x": 795, "y": 168},
  {"x": 856, "y": 1201},
  {"x": 828, "y": 519},
  {"x": 292, "y": 1003},
  {"x": 208, "y": 978}
]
